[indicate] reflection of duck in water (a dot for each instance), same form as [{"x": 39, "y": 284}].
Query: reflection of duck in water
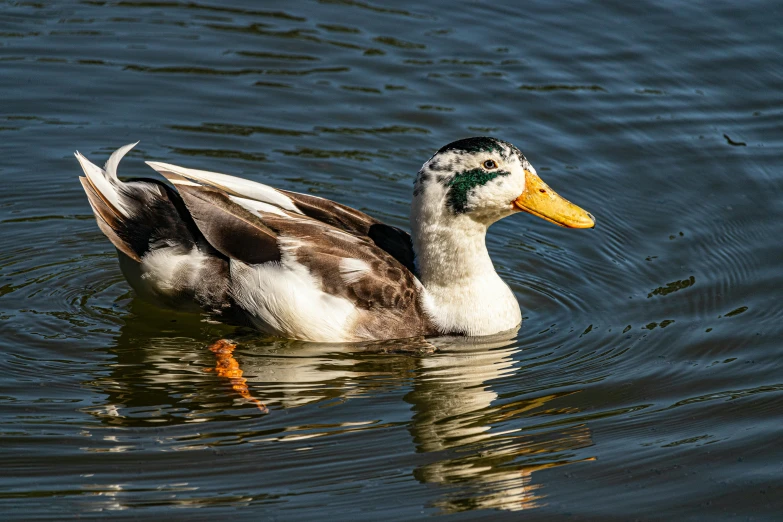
[
  {"x": 456, "y": 407},
  {"x": 162, "y": 364},
  {"x": 302, "y": 267},
  {"x": 476, "y": 442}
]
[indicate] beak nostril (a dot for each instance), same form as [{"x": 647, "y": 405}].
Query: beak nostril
[{"x": 543, "y": 191}]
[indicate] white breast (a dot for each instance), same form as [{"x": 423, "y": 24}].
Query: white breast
[{"x": 484, "y": 306}]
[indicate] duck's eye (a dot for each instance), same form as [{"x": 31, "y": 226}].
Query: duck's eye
[{"x": 490, "y": 164}]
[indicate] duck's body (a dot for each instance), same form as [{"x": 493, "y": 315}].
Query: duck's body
[{"x": 303, "y": 267}]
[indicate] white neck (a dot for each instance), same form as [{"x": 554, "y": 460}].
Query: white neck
[{"x": 463, "y": 293}]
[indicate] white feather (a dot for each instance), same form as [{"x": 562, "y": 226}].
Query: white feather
[
  {"x": 231, "y": 184},
  {"x": 106, "y": 182},
  {"x": 184, "y": 182},
  {"x": 352, "y": 270},
  {"x": 110, "y": 168},
  {"x": 257, "y": 206},
  {"x": 166, "y": 270},
  {"x": 285, "y": 299}
]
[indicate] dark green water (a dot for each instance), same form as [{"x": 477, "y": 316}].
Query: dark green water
[{"x": 646, "y": 381}]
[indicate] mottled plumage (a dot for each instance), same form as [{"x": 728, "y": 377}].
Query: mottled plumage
[{"x": 299, "y": 266}]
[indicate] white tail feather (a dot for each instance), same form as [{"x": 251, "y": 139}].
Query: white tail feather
[
  {"x": 235, "y": 186},
  {"x": 111, "y": 164},
  {"x": 105, "y": 181}
]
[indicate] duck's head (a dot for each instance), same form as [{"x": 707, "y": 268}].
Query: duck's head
[{"x": 486, "y": 179}]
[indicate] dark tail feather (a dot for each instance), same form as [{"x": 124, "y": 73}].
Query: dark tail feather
[
  {"x": 139, "y": 214},
  {"x": 108, "y": 220}
]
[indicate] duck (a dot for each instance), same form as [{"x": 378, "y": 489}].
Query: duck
[{"x": 298, "y": 266}]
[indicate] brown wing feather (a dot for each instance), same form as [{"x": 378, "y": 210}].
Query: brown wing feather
[
  {"x": 233, "y": 230},
  {"x": 393, "y": 240},
  {"x": 387, "y": 292}
]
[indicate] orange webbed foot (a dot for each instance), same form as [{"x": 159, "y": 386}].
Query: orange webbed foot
[{"x": 227, "y": 366}]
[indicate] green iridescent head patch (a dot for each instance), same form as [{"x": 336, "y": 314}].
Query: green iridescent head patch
[{"x": 461, "y": 185}]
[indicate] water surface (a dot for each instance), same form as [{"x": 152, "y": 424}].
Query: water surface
[{"x": 645, "y": 381}]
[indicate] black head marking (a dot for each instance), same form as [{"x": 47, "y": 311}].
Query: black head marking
[
  {"x": 482, "y": 144},
  {"x": 473, "y": 145}
]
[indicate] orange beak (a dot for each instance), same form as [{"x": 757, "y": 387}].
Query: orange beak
[{"x": 540, "y": 200}]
